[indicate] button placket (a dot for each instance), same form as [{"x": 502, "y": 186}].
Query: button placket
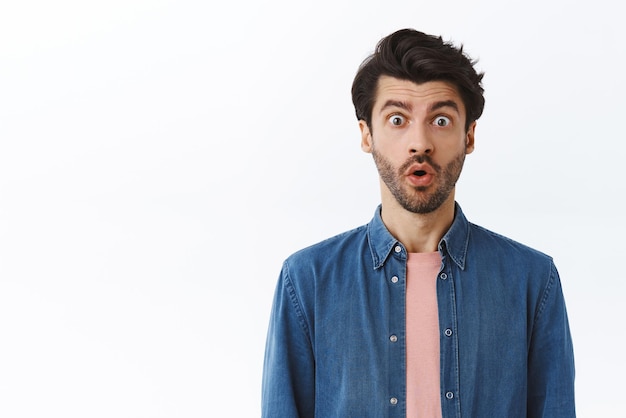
[
  {"x": 449, "y": 340},
  {"x": 395, "y": 278}
]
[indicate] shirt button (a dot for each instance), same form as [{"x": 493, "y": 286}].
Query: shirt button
[
  {"x": 449, "y": 395},
  {"x": 443, "y": 276},
  {"x": 448, "y": 332},
  {"x": 393, "y": 338},
  {"x": 398, "y": 249},
  {"x": 394, "y": 279},
  {"x": 393, "y": 401}
]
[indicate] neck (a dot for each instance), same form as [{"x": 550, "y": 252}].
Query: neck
[{"x": 418, "y": 232}]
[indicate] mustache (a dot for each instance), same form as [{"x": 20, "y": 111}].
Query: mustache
[{"x": 420, "y": 159}]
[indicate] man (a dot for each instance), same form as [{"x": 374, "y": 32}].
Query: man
[{"x": 418, "y": 313}]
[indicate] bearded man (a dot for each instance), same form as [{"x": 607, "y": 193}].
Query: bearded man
[{"x": 419, "y": 313}]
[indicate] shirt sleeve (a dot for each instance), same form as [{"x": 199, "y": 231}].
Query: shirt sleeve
[
  {"x": 288, "y": 388},
  {"x": 551, "y": 356}
]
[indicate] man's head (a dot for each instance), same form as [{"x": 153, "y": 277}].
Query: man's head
[
  {"x": 415, "y": 56},
  {"x": 417, "y": 100}
]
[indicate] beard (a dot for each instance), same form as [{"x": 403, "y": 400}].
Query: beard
[{"x": 418, "y": 199}]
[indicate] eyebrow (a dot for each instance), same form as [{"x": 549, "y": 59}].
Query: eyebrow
[
  {"x": 397, "y": 103},
  {"x": 445, "y": 103},
  {"x": 432, "y": 108}
]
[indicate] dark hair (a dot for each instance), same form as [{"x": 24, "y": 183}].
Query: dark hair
[{"x": 415, "y": 56}]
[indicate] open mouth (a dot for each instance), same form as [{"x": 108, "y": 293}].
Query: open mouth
[{"x": 419, "y": 173}]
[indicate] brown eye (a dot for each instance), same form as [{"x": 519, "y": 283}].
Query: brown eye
[
  {"x": 397, "y": 120},
  {"x": 442, "y": 121}
]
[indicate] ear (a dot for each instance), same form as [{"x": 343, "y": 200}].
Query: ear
[
  {"x": 366, "y": 137},
  {"x": 469, "y": 138}
]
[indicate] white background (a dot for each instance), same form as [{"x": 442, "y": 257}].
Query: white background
[{"x": 160, "y": 159}]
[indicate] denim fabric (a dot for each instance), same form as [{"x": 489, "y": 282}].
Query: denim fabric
[{"x": 336, "y": 338}]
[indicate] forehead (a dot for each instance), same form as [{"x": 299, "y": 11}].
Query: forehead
[{"x": 418, "y": 95}]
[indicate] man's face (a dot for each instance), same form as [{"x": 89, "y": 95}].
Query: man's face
[{"x": 418, "y": 141}]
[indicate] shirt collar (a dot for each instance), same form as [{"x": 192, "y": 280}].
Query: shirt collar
[{"x": 454, "y": 242}]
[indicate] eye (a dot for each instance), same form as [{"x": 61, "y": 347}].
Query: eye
[
  {"x": 397, "y": 120},
  {"x": 442, "y": 121}
]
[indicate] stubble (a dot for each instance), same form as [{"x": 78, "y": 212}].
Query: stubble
[{"x": 419, "y": 199}]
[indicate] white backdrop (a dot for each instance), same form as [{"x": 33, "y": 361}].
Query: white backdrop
[{"x": 159, "y": 159}]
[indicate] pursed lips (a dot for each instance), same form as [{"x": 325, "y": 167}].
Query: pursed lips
[
  {"x": 419, "y": 170},
  {"x": 420, "y": 174}
]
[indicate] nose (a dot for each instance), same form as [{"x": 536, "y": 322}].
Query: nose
[{"x": 420, "y": 141}]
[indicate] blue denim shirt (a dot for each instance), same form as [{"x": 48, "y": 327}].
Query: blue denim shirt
[{"x": 336, "y": 341}]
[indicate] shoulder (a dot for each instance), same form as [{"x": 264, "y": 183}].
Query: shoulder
[
  {"x": 495, "y": 244},
  {"x": 330, "y": 249},
  {"x": 324, "y": 265},
  {"x": 522, "y": 273}
]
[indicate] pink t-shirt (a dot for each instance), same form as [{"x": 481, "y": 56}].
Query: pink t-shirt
[{"x": 422, "y": 336}]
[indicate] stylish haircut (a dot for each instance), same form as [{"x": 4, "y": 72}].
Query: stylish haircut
[{"x": 415, "y": 56}]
